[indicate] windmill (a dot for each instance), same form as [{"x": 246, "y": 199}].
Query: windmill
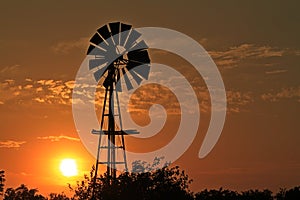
[{"x": 117, "y": 54}]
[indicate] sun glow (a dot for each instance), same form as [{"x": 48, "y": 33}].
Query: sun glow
[{"x": 68, "y": 167}]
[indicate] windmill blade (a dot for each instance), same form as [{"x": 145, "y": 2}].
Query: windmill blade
[
  {"x": 136, "y": 77},
  {"x": 124, "y": 33},
  {"x": 132, "y": 64},
  {"x": 99, "y": 73},
  {"x": 96, "y": 39},
  {"x": 118, "y": 84},
  {"x": 92, "y": 50},
  {"x": 139, "y": 62},
  {"x": 142, "y": 70},
  {"x": 127, "y": 81},
  {"x": 96, "y": 63},
  {"x": 140, "y": 45},
  {"x": 125, "y": 27},
  {"x": 140, "y": 56},
  {"x": 133, "y": 36},
  {"x": 114, "y": 27},
  {"x": 104, "y": 32}
]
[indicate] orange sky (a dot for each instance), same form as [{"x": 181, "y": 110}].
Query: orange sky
[{"x": 255, "y": 45}]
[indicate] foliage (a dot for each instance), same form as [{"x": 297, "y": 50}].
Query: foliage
[
  {"x": 256, "y": 194},
  {"x": 54, "y": 196},
  {"x": 2, "y": 180},
  {"x": 22, "y": 193},
  {"x": 162, "y": 183},
  {"x": 283, "y": 194},
  {"x": 139, "y": 166},
  {"x": 216, "y": 195},
  {"x": 292, "y": 194},
  {"x": 165, "y": 183}
]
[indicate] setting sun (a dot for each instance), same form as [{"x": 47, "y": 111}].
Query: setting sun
[{"x": 68, "y": 167}]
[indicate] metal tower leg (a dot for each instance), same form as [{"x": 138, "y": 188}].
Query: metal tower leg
[{"x": 111, "y": 131}]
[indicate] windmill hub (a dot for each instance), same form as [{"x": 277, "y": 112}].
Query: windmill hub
[{"x": 120, "y": 49}]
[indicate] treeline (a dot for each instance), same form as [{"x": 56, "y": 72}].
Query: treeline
[
  {"x": 161, "y": 184},
  {"x": 24, "y": 193}
]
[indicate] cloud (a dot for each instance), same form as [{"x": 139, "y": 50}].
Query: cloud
[
  {"x": 283, "y": 93},
  {"x": 30, "y": 91},
  {"x": 141, "y": 101},
  {"x": 11, "y": 144},
  {"x": 229, "y": 58},
  {"x": 276, "y": 71},
  {"x": 28, "y": 86},
  {"x": 9, "y": 82},
  {"x": 10, "y": 69},
  {"x": 145, "y": 97},
  {"x": 66, "y": 47},
  {"x": 39, "y": 100},
  {"x": 25, "y": 174},
  {"x": 58, "y": 92},
  {"x": 44, "y": 91},
  {"x": 237, "y": 100},
  {"x": 70, "y": 84},
  {"x": 203, "y": 41},
  {"x": 58, "y": 138}
]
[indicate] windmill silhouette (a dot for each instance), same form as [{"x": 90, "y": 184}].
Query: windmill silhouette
[{"x": 117, "y": 53}]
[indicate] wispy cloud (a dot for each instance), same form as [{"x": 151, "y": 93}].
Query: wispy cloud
[
  {"x": 66, "y": 47},
  {"x": 53, "y": 138},
  {"x": 11, "y": 144},
  {"x": 230, "y": 57},
  {"x": 40, "y": 91},
  {"x": 9, "y": 69},
  {"x": 25, "y": 174},
  {"x": 45, "y": 91},
  {"x": 58, "y": 92},
  {"x": 283, "y": 93},
  {"x": 237, "y": 100},
  {"x": 142, "y": 100},
  {"x": 279, "y": 71}
]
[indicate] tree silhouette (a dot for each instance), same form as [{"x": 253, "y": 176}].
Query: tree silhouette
[
  {"x": 22, "y": 193},
  {"x": 54, "y": 196},
  {"x": 216, "y": 195},
  {"x": 164, "y": 183},
  {"x": 161, "y": 184},
  {"x": 292, "y": 194},
  {"x": 257, "y": 194},
  {"x": 2, "y": 180}
]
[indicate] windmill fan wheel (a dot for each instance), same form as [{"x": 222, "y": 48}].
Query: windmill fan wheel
[{"x": 118, "y": 51}]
